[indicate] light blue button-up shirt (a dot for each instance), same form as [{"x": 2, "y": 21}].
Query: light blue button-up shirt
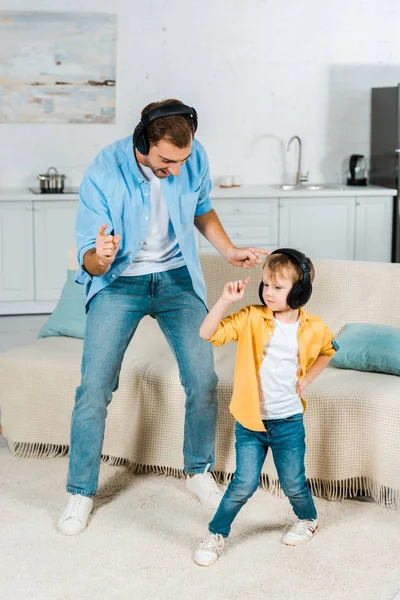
[{"x": 114, "y": 191}]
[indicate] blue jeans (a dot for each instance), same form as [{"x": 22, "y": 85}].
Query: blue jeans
[
  {"x": 113, "y": 316},
  {"x": 286, "y": 438}
]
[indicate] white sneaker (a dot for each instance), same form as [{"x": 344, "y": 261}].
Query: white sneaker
[
  {"x": 204, "y": 487},
  {"x": 300, "y": 532},
  {"x": 209, "y": 550},
  {"x": 74, "y": 518}
]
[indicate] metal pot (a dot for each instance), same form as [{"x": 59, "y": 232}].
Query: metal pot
[{"x": 51, "y": 182}]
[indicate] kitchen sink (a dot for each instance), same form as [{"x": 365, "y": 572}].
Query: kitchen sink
[{"x": 316, "y": 187}]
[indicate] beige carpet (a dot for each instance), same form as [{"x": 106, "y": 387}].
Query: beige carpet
[{"x": 141, "y": 536}]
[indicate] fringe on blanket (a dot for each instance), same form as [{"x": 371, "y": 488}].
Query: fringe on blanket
[{"x": 331, "y": 490}]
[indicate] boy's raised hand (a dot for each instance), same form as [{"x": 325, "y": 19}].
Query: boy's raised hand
[{"x": 234, "y": 290}]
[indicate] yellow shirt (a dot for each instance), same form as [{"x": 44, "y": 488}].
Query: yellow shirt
[{"x": 252, "y": 327}]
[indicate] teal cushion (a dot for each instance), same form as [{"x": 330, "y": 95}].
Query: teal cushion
[
  {"x": 69, "y": 316},
  {"x": 366, "y": 347}
]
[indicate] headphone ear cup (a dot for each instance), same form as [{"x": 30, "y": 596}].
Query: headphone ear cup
[
  {"x": 299, "y": 295},
  {"x": 260, "y": 293},
  {"x": 139, "y": 139},
  {"x": 294, "y": 296}
]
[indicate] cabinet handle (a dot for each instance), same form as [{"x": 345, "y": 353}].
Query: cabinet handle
[
  {"x": 36, "y": 208},
  {"x": 29, "y": 207}
]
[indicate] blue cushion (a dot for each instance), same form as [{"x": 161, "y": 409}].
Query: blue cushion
[
  {"x": 366, "y": 347},
  {"x": 69, "y": 316}
]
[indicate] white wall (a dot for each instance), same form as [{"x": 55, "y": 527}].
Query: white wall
[{"x": 258, "y": 72}]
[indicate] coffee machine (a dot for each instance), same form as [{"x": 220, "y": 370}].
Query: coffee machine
[{"x": 357, "y": 171}]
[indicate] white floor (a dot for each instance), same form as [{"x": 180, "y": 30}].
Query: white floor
[{"x": 19, "y": 330}]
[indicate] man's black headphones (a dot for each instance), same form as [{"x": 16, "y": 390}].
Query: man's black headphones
[
  {"x": 140, "y": 138},
  {"x": 301, "y": 292}
]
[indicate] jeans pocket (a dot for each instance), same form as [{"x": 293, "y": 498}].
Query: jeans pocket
[{"x": 294, "y": 418}]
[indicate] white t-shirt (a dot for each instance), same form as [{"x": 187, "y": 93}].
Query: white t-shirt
[
  {"x": 160, "y": 250},
  {"x": 278, "y": 373}
]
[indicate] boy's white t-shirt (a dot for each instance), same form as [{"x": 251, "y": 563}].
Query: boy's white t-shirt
[
  {"x": 160, "y": 250},
  {"x": 278, "y": 373}
]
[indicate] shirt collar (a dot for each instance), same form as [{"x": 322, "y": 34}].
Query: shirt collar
[
  {"x": 136, "y": 172},
  {"x": 269, "y": 315}
]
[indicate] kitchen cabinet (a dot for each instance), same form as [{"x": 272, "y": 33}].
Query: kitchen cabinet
[
  {"x": 54, "y": 234},
  {"x": 319, "y": 227},
  {"x": 346, "y": 228},
  {"x": 374, "y": 217},
  {"x": 36, "y": 233},
  {"x": 248, "y": 222},
  {"x": 16, "y": 253},
  {"x": 35, "y": 236}
]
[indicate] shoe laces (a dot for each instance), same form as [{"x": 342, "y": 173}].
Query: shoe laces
[
  {"x": 75, "y": 508},
  {"x": 300, "y": 527},
  {"x": 214, "y": 542},
  {"x": 209, "y": 483}
]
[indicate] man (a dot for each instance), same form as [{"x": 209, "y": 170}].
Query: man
[{"x": 136, "y": 248}]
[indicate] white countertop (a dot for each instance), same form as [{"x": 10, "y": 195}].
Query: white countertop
[
  {"x": 274, "y": 191},
  {"x": 245, "y": 192},
  {"x": 23, "y": 195}
]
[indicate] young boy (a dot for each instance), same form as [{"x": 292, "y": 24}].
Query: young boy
[{"x": 281, "y": 350}]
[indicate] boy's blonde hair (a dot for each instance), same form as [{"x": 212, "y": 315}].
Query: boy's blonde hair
[{"x": 283, "y": 265}]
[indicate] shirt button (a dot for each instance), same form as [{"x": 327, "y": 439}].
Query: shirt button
[
  {"x": 146, "y": 218},
  {"x": 146, "y": 194},
  {"x": 113, "y": 276},
  {"x": 258, "y": 355}
]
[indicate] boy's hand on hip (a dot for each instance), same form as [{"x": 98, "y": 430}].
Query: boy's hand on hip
[
  {"x": 247, "y": 257},
  {"x": 301, "y": 386},
  {"x": 234, "y": 290},
  {"x": 106, "y": 246}
]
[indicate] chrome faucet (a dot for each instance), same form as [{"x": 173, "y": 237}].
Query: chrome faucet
[{"x": 300, "y": 178}]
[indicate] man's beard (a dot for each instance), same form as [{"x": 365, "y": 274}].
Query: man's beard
[{"x": 159, "y": 173}]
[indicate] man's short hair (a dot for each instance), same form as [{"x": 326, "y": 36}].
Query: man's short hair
[{"x": 176, "y": 129}]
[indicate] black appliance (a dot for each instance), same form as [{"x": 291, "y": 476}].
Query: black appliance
[
  {"x": 66, "y": 190},
  {"x": 357, "y": 174},
  {"x": 385, "y": 150}
]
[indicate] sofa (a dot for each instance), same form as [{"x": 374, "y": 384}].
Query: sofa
[{"x": 352, "y": 418}]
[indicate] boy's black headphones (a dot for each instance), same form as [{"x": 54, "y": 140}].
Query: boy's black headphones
[
  {"x": 140, "y": 138},
  {"x": 301, "y": 292}
]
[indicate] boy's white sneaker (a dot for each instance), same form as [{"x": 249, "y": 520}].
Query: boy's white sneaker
[
  {"x": 204, "y": 487},
  {"x": 300, "y": 532},
  {"x": 75, "y": 516},
  {"x": 209, "y": 550}
]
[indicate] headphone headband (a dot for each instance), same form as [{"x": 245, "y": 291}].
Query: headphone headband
[
  {"x": 169, "y": 110},
  {"x": 297, "y": 256}
]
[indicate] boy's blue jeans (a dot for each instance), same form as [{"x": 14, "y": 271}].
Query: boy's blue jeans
[
  {"x": 286, "y": 438},
  {"x": 113, "y": 316}
]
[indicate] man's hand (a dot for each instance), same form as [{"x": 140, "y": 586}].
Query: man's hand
[
  {"x": 246, "y": 257},
  {"x": 234, "y": 290},
  {"x": 106, "y": 246}
]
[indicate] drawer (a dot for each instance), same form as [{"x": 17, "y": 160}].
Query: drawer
[
  {"x": 267, "y": 232},
  {"x": 245, "y": 209},
  {"x": 205, "y": 246},
  {"x": 263, "y": 237}
]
